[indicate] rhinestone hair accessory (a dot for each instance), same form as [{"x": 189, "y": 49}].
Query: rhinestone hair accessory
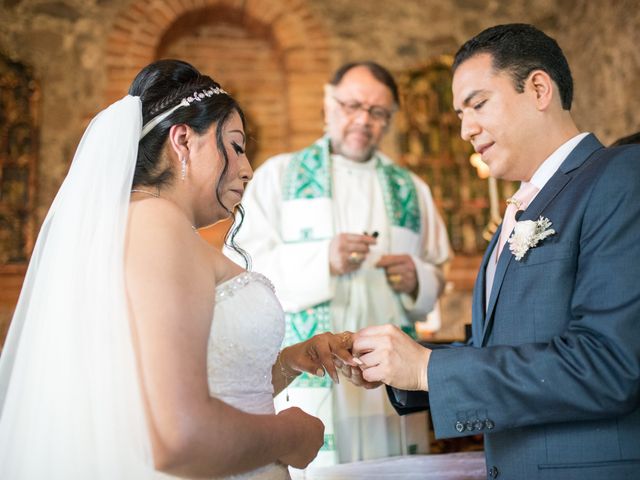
[{"x": 196, "y": 97}]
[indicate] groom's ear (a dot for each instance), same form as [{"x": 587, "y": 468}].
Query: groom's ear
[{"x": 542, "y": 87}]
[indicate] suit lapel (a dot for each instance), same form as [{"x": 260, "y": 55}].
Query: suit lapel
[{"x": 556, "y": 183}]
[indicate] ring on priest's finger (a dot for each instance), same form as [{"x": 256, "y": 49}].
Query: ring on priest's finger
[
  {"x": 395, "y": 278},
  {"x": 355, "y": 258}
]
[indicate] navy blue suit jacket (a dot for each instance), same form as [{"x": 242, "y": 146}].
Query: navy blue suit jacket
[{"x": 552, "y": 375}]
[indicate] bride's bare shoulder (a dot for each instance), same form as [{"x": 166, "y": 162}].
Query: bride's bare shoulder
[{"x": 159, "y": 236}]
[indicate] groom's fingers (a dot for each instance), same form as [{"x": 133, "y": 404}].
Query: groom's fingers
[
  {"x": 374, "y": 331},
  {"x": 377, "y": 367},
  {"x": 371, "y": 359},
  {"x": 357, "y": 378},
  {"x": 374, "y": 374},
  {"x": 373, "y": 338}
]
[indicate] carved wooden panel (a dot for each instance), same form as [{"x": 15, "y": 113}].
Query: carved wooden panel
[{"x": 19, "y": 96}]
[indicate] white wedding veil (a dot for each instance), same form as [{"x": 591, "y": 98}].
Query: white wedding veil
[{"x": 71, "y": 405}]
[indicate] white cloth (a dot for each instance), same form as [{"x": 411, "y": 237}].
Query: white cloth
[
  {"x": 449, "y": 466},
  {"x": 244, "y": 342},
  {"x": 70, "y": 400},
  {"x": 366, "y": 426}
]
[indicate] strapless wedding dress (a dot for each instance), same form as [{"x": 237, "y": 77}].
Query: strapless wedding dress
[{"x": 245, "y": 338}]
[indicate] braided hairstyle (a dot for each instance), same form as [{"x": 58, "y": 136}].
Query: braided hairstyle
[{"x": 161, "y": 86}]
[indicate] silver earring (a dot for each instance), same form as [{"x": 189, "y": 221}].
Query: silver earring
[{"x": 183, "y": 161}]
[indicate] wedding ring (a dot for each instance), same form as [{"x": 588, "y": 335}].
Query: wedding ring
[
  {"x": 395, "y": 278},
  {"x": 344, "y": 339},
  {"x": 355, "y": 258}
]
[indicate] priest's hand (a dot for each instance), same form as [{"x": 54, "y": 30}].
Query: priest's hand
[
  {"x": 401, "y": 273},
  {"x": 390, "y": 356},
  {"x": 347, "y": 251}
]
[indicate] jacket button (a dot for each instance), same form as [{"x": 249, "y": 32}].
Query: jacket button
[
  {"x": 469, "y": 425},
  {"x": 493, "y": 472},
  {"x": 478, "y": 424},
  {"x": 460, "y": 427},
  {"x": 489, "y": 424}
]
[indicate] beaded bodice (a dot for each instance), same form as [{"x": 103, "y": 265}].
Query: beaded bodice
[
  {"x": 246, "y": 334},
  {"x": 245, "y": 338}
]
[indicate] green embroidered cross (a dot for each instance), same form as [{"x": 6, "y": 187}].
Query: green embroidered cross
[
  {"x": 401, "y": 198},
  {"x": 309, "y": 176}
]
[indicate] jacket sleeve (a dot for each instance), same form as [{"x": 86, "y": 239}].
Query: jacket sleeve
[{"x": 410, "y": 401}]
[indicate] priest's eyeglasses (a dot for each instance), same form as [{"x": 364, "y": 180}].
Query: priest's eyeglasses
[{"x": 377, "y": 114}]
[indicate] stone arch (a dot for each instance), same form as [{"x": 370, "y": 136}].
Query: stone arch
[{"x": 298, "y": 39}]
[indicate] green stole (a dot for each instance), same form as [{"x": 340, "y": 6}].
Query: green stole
[{"x": 308, "y": 176}]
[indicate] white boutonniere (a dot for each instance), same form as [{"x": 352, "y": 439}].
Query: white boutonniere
[{"x": 527, "y": 234}]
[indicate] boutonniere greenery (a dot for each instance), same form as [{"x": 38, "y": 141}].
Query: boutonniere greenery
[{"x": 527, "y": 234}]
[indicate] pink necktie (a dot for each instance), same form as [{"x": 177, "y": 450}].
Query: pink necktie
[{"x": 520, "y": 201}]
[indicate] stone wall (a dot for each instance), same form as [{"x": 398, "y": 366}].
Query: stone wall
[{"x": 84, "y": 53}]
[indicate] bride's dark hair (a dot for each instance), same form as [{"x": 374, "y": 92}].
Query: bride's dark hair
[{"x": 163, "y": 85}]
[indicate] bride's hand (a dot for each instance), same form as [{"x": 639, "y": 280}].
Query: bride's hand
[
  {"x": 319, "y": 353},
  {"x": 307, "y": 435},
  {"x": 354, "y": 375}
]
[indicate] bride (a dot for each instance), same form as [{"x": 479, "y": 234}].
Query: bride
[{"x": 136, "y": 349}]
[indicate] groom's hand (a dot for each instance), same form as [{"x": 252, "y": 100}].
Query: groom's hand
[
  {"x": 354, "y": 375},
  {"x": 390, "y": 356}
]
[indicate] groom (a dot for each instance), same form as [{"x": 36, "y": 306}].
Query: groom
[{"x": 552, "y": 374}]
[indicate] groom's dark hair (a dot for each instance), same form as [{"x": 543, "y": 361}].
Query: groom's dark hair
[{"x": 520, "y": 49}]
